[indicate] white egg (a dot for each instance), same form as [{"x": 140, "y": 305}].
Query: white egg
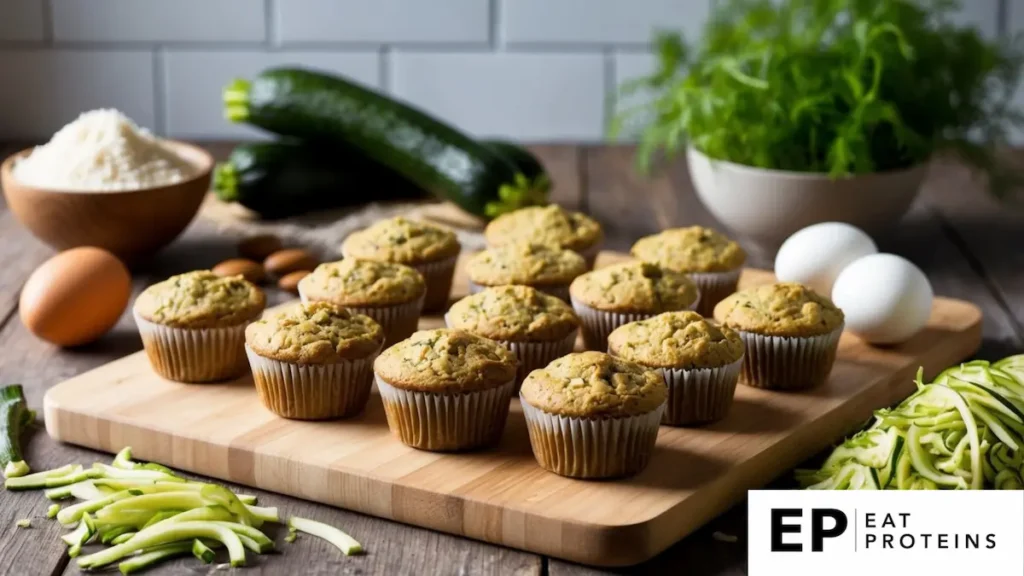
[
  {"x": 886, "y": 299},
  {"x": 814, "y": 256}
]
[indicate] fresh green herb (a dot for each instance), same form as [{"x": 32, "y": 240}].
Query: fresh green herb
[{"x": 831, "y": 86}]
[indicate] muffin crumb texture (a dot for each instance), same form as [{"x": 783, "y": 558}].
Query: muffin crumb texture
[
  {"x": 692, "y": 249},
  {"x": 594, "y": 384},
  {"x": 545, "y": 225},
  {"x": 402, "y": 240},
  {"x": 682, "y": 340},
  {"x": 358, "y": 282},
  {"x": 314, "y": 333},
  {"x": 446, "y": 361},
  {"x": 639, "y": 287},
  {"x": 514, "y": 313},
  {"x": 782, "y": 309},
  {"x": 200, "y": 299},
  {"x": 527, "y": 263}
]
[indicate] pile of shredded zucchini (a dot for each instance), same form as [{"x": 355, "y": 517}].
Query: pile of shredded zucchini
[
  {"x": 965, "y": 431},
  {"x": 147, "y": 514}
]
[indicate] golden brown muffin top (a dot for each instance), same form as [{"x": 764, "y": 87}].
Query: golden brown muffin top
[
  {"x": 693, "y": 249},
  {"x": 594, "y": 384},
  {"x": 446, "y": 361},
  {"x": 513, "y": 313},
  {"x": 783, "y": 309},
  {"x": 525, "y": 263},
  {"x": 201, "y": 299},
  {"x": 356, "y": 282},
  {"x": 637, "y": 287},
  {"x": 402, "y": 240},
  {"x": 314, "y": 333},
  {"x": 683, "y": 340},
  {"x": 550, "y": 224}
]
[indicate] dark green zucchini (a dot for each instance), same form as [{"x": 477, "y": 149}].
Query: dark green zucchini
[
  {"x": 525, "y": 162},
  {"x": 283, "y": 179},
  {"x": 315, "y": 106}
]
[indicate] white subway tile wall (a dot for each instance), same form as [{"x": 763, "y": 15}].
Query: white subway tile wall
[{"x": 538, "y": 70}]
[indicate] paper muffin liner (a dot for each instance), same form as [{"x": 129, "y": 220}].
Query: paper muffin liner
[
  {"x": 592, "y": 447},
  {"x": 598, "y": 324},
  {"x": 312, "y": 391},
  {"x": 788, "y": 363},
  {"x": 446, "y": 422},
  {"x": 534, "y": 354},
  {"x": 399, "y": 321},
  {"x": 194, "y": 355},
  {"x": 714, "y": 287},
  {"x": 560, "y": 291},
  {"x": 699, "y": 395}
]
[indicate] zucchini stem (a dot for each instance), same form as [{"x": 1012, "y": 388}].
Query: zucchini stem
[
  {"x": 236, "y": 100},
  {"x": 225, "y": 182}
]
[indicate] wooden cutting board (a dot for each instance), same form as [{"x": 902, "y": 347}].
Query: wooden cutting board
[{"x": 500, "y": 495}]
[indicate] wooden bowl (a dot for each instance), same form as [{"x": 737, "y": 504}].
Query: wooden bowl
[{"x": 131, "y": 224}]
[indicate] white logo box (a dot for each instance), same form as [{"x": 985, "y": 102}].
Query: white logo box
[{"x": 963, "y": 533}]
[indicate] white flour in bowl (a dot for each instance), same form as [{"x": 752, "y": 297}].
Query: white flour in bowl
[{"x": 102, "y": 151}]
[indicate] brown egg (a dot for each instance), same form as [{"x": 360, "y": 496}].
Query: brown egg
[{"x": 75, "y": 297}]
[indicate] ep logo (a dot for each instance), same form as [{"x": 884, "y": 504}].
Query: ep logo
[{"x": 824, "y": 523}]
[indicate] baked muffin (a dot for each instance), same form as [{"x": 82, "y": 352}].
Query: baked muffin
[
  {"x": 432, "y": 250},
  {"x": 622, "y": 293},
  {"x": 591, "y": 415},
  {"x": 446, "y": 390},
  {"x": 193, "y": 325},
  {"x": 535, "y": 326},
  {"x": 699, "y": 359},
  {"x": 390, "y": 293},
  {"x": 791, "y": 334},
  {"x": 550, "y": 224},
  {"x": 713, "y": 261},
  {"x": 547, "y": 268},
  {"x": 313, "y": 361}
]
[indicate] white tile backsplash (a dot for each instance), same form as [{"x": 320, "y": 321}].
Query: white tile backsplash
[
  {"x": 54, "y": 86},
  {"x": 530, "y": 69},
  {"x": 384, "y": 21},
  {"x": 630, "y": 67},
  {"x": 598, "y": 21},
  {"x": 21, "y": 20},
  {"x": 159, "y": 20},
  {"x": 195, "y": 82},
  {"x": 523, "y": 96}
]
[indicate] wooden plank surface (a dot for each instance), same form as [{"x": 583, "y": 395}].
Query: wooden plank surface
[{"x": 960, "y": 243}]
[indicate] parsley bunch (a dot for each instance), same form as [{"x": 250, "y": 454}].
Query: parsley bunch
[{"x": 831, "y": 86}]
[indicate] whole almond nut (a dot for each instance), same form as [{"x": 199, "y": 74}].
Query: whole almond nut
[
  {"x": 290, "y": 282},
  {"x": 290, "y": 260},
  {"x": 251, "y": 271},
  {"x": 259, "y": 247}
]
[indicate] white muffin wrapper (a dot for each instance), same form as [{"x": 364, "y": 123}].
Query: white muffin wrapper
[
  {"x": 788, "y": 363},
  {"x": 312, "y": 391},
  {"x": 533, "y": 354},
  {"x": 194, "y": 355},
  {"x": 446, "y": 422},
  {"x": 598, "y": 324},
  {"x": 399, "y": 321},
  {"x": 714, "y": 287},
  {"x": 560, "y": 291},
  {"x": 699, "y": 395},
  {"x": 592, "y": 447}
]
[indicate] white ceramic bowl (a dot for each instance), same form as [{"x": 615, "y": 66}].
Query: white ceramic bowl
[{"x": 767, "y": 206}]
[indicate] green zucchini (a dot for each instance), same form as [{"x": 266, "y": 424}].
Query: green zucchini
[
  {"x": 13, "y": 420},
  {"x": 525, "y": 162},
  {"x": 319, "y": 107},
  {"x": 283, "y": 179}
]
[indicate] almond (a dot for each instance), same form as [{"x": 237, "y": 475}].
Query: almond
[
  {"x": 259, "y": 247},
  {"x": 290, "y": 260},
  {"x": 290, "y": 282},
  {"x": 251, "y": 271}
]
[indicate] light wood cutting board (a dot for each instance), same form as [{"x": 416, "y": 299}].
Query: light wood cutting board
[{"x": 500, "y": 495}]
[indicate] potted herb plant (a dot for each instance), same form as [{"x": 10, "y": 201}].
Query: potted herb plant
[{"x": 793, "y": 112}]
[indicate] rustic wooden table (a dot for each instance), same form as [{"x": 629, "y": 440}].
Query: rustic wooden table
[{"x": 969, "y": 246}]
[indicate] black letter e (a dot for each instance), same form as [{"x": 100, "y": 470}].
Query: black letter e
[{"x": 779, "y": 528}]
